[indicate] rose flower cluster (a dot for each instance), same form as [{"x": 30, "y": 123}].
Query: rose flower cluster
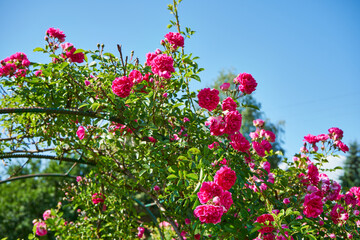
[
  {"x": 15, "y": 65},
  {"x": 215, "y": 197}
]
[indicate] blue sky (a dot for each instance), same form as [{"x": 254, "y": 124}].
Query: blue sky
[{"x": 305, "y": 55}]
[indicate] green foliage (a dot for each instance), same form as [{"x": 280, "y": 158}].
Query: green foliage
[
  {"x": 22, "y": 201},
  {"x": 351, "y": 176}
]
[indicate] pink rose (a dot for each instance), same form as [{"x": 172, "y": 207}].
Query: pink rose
[
  {"x": 156, "y": 188},
  {"x": 40, "y": 228},
  {"x": 98, "y": 198},
  {"x": 208, "y": 191},
  {"x": 233, "y": 121},
  {"x": 225, "y": 86},
  {"x": 258, "y": 123},
  {"x": 217, "y": 125},
  {"x": 47, "y": 214},
  {"x": 56, "y": 33},
  {"x": 80, "y": 132},
  {"x": 208, "y": 99},
  {"x": 247, "y": 83},
  {"x": 258, "y": 149},
  {"x": 266, "y": 145},
  {"x": 135, "y": 76},
  {"x": 313, "y": 205},
  {"x": 175, "y": 39},
  {"x": 335, "y": 133},
  {"x": 225, "y": 178},
  {"x": 162, "y": 65},
  {"x": 270, "y": 136},
  {"x": 313, "y": 174},
  {"x": 209, "y": 213},
  {"x": 311, "y": 139},
  {"x": 229, "y": 104},
  {"x": 342, "y": 146},
  {"x": 187, "y": 221},
  {"x": 141, "y": 232},
  {"x": 226, "y": 200},
  {"x": 286, "y": 201},
  {"x": 239, "y": 142},
  {"x": 322, "y": 137},
  {"x": 266, "y": 219},
  {"x": 338, "y": 214},
  {"x": 78, "y": 178},
  {"x": 122, "y": 86},
  {"x": 87, "y": 82}
]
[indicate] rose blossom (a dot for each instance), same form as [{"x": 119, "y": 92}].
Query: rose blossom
[
  {"x": 313, "y": 205},
  {"x": 247, "y": 83},
  {"x": 338, "y": 214},
  {"x": 267, "y": 228},
  {"x": 156, "y": 188},
  {"x": 208, "y": 191},
  {"x": 226, "y": 200},
  {"x": 225, "y": 86},
  {"x": 80, "y": 132},
  {"x": 135, "y": 76},
  {"x": 258, "y": 123},
  {"x": 209, "y": 213},
  {"x": 122, "y": 86},
  {"x": 40, "y": 228},
  {"x": 187, "y": 221},
  {"x": 322, "y": 137},
  {"x": 342, "y": 146},
  {"x": 270, "y": 136},
  {"x": 313, "y": 174},
  {"x": 229, "y": 104},
  {"x": 56, "y": 33},
  {"x": 258, "y": 149},
  {"x": 286, "y": 201},
  {"x": 162, "y": 65},
  {"x": 208, "y": 99},
  {"x": 266, "y": 145},
  {"x": 311, "y": 139},
  {"x": 47, "y": 214},
  {"x": 239, "y": 142},
  {"x": 141, "y": 232},
  {"x": 98, "y": 197},
  {"x": 233, "y": 121},
  {"x": 335, "y": 133},
  {"x": 175, "y": 39},
  {"x": 225, "y": 178},
  {"x": 217, "y": 125}
]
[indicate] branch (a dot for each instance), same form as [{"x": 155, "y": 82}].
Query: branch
[
  {"x": 36, "y": 175},
  {"x": 9, "y": 155},
  {"x": 59, "y": 111}
]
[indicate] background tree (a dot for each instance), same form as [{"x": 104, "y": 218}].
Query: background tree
[
  {"x": 351, "y": 175},
  {"x": 23, "y": 200},
  {"x": 251, "y": 113}
]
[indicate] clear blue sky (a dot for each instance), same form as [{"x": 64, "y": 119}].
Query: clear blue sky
[{"x": 305, "y": 55}]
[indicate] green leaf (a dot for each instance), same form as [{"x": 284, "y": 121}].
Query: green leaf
[
  {"x": 92, "y": 64},
  {"x": 39, "y": 49},
  {"x": 79, "y": 51},
  {"x": 172, "y": 176},
  {"x": 194, "y": 151},
  {"x": 171, "y": 170},
  {"x": 251, "y": 106},
  {"x": 192, "y": 176}
]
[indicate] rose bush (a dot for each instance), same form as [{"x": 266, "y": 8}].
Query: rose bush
[{"x": 164, "y": 167}]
